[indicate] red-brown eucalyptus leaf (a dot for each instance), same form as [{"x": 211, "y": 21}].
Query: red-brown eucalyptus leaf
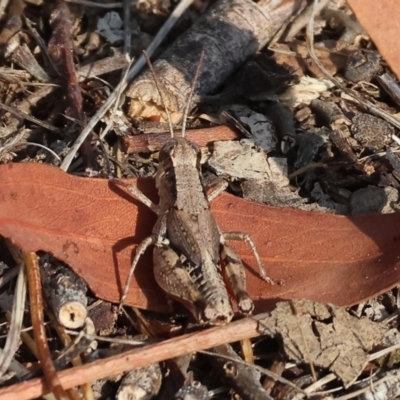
[{"x": 93, "y": 225}]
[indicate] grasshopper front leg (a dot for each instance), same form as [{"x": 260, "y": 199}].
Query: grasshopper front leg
[
  {"x": 157, "y": 237},
  {"x": 142, "y": 247}
]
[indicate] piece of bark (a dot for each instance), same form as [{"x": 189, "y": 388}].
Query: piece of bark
[
  {"x": 228, "y": 33},
  {"x": 391, "y": 86},
  {"x": 23, "y": 57},
  {"x": 140, "y": 383},
  {"x": 244, "y": 379},
  {"x": 14, "y": 21},
  {"x": 343, "y": 146},
  {"x": 362, "y": 66},
  {"x": 65, "y": 291},
  {"x": 330, "y": 113},
  {"x": 154, "y": 141},
  {"x": 192, "y": 390}
]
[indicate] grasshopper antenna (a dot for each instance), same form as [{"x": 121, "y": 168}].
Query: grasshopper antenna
[
  {"x": 153, "y": 73},
  {"x": 187, "y": 108}
]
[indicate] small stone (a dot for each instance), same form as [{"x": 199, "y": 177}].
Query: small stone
[{"x": 370, "y": 131}]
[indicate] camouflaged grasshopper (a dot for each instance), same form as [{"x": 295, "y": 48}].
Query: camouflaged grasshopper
[{"x": 191, "y": 257}]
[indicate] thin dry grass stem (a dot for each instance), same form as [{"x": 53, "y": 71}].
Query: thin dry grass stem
[
  {"x": 123, "y": 81},
  {"x": 365, "y": 389},
  {"x": 191, "y": 92},
  {"x": 29, "y": 343},
  {"x": 37, "y": 316},
  {"x": 12, "y": 341},
  {"x": 316, "y": 385},
  {"x": 55, "y": 155},
  {"x": 157, "y": 83},
  {"x": 312, "y": 389},
  {"x": 36, "y": 121},
  {"x": 247, "y": 350},
  {"x": 41, "y": 44},
  {"x": 111, "y": 340},
  {"x": 140, "y": 63},
  {"x": 9, "y": 276}
]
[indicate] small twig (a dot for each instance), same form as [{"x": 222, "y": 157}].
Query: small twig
[
  {"x": 94, "y": 4},
  {"x": 127, "y": 27},
  {"x": 306, "y": 168},
  {"x": 9, "y": 276},
  {"x": 140, "y": 63},
  {"x": 37, "y": 316}
]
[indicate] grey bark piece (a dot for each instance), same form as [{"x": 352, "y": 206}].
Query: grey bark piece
[
  {"x": 65, "y": 291},
  {"x": 228, "y": 33},
  {"x": 374, "y": 200}
]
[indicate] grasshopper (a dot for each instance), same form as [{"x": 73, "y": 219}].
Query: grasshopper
[{"x": 191, "y": 257}]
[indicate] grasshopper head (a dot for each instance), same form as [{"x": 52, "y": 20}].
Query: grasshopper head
[{"x": 180, "y": 152}]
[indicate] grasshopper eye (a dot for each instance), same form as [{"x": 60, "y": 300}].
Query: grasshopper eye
[{"x": 166, "y": 151}]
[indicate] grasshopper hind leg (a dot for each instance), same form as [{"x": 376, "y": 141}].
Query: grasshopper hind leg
[
  {"x": 235, "y": 275},
  {"x": 177, "y": 278}
]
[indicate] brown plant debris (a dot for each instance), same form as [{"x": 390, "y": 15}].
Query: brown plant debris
[{"x": 324, "y": 335}]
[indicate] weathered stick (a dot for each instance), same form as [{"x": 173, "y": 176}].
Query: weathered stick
[
  {"x": 154, "y": 141},
  {"x": 233, "y": 332},
  {"x": 65, "y": 291},
  {"x": 228, "y": 33}
]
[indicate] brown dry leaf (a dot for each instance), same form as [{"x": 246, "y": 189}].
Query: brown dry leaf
[
  {"x": 381, "y": 19},
  {"x": 324, "y": 335},
  {"x": 94, "y": 226}
]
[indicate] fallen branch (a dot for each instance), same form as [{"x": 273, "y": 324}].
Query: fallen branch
[{"x": 112, "y": 366}]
